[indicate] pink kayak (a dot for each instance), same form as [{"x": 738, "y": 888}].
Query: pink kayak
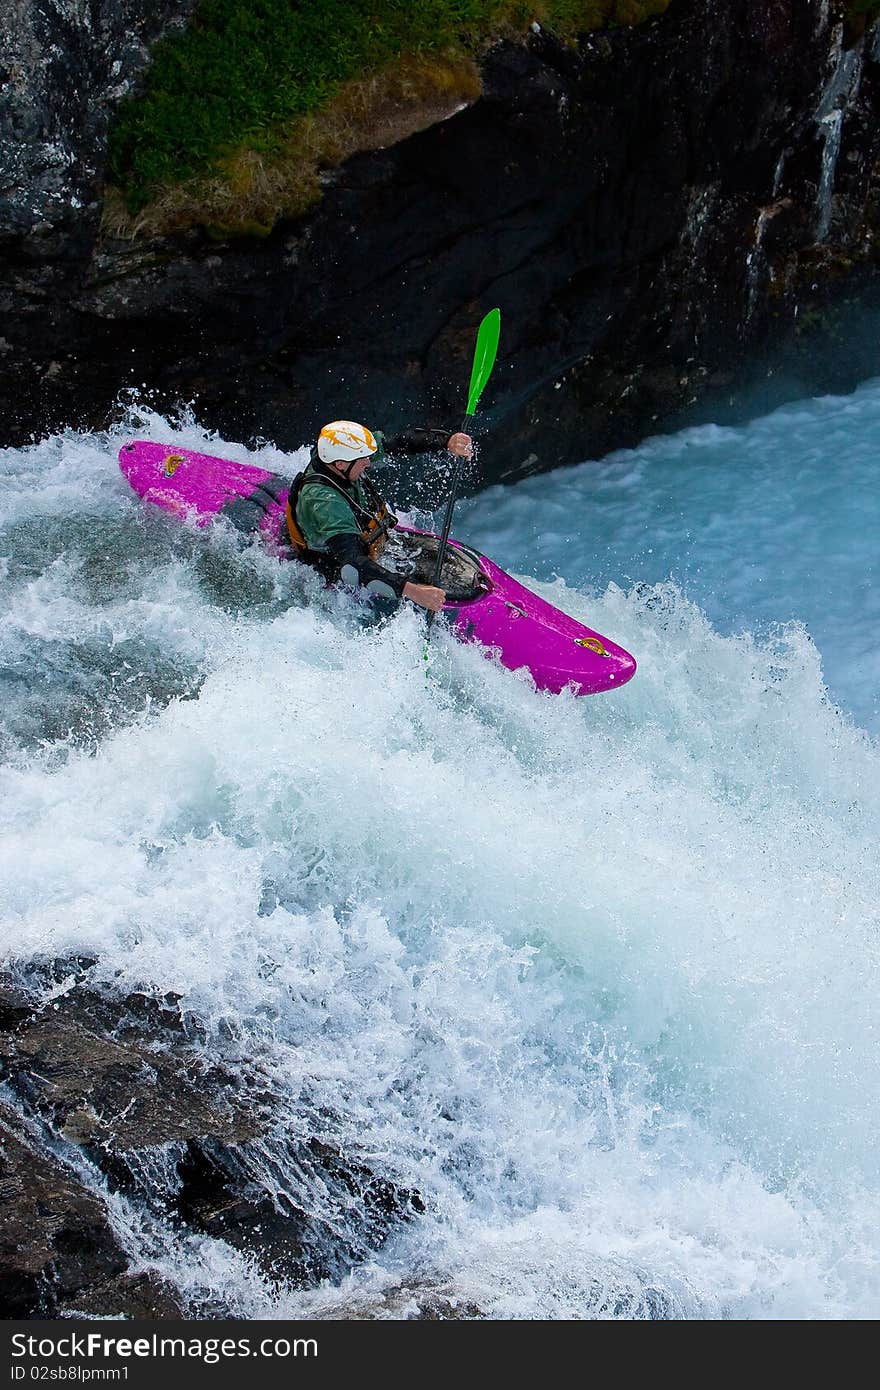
[{"x": 484, "y": 605}]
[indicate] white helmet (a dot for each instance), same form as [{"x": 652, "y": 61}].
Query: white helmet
[{"x": 342, "y": 441}]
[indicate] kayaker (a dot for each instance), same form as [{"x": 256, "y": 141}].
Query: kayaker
[{"x": 336, "y": 518}]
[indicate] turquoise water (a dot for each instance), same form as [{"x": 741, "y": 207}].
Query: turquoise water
[
  {"x": 598, "y": 977},
  {"x": 770, "y": 523}
]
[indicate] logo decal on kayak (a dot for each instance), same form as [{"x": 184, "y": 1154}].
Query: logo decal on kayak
[
  {"x": 172, "y": 463},
  {"x": 592, "y": 644}
]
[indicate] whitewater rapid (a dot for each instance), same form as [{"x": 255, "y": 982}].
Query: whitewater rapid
[
  {"x": 773, "y": 522},
  {"x": 597, "y": 977}
]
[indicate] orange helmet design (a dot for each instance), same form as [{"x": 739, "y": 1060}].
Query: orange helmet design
[{"x": 343, "y": 441}]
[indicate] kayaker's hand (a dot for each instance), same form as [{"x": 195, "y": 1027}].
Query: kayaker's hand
[
  {"x": 425, "y": 595},
  {"x": 461, "y": 445}
]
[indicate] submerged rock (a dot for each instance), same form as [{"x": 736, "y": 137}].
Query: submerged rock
[
  {"x": 125, "y": 1087},
  {"x": 55, "y": 1239}
]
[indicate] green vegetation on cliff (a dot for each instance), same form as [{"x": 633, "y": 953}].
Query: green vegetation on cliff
[
  {"x": 243, "y": 108},
  {"x": 859, "y": 13}
]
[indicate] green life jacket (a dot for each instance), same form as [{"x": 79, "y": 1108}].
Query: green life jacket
[{"x": 373, "y": 525}]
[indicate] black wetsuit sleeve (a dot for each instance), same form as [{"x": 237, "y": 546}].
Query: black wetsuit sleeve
[
  {"x": 422, "y": 440},
  {"x": 356, "y": 568}
]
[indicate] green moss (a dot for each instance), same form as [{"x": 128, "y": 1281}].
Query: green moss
[
  {"x": 224, "y": 231},
  {"x": 858, "y": 15},
  {"x": 246, "y": 71}
]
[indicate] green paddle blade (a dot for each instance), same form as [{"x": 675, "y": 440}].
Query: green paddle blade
[{"x": 484, "y": 356}]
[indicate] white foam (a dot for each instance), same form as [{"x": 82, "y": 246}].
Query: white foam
[
  {"x": 597, "y": 977},
  {"x": 768, "y": 522}
]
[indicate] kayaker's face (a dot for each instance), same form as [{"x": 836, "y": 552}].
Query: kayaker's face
[{"x": 357, "y": 468}]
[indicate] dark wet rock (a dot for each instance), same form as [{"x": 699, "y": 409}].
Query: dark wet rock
[
  {"x": 55, "y": 1239},
  {"x": 65, "y": 66},
  {"x": 113, "y": 1094},
  {"x": 59, "y": 1255},
  {"x": 129, "y": 1085},
  {"x": 219, "y": 1197},
  {"x": 127, "y": 1296},
  {"x": 417, "y": 1301}
]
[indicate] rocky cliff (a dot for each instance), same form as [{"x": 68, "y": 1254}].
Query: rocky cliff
[
  {"x": 647, "y": 208},
  {"x": 64, "y": 68}
]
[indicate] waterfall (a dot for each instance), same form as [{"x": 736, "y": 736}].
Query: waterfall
[
  {"x": 839, "y": 93},
  {"x": 755, "y": 259},
  {"x": 699, "y": 213},
  {"x": 832, "y": 126}
]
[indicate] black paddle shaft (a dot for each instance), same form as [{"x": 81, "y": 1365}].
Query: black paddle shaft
[{"x": 447, "y": 519}]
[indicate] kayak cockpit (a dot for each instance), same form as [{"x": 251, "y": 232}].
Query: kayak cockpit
[{"x": 414, "y": 553}]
